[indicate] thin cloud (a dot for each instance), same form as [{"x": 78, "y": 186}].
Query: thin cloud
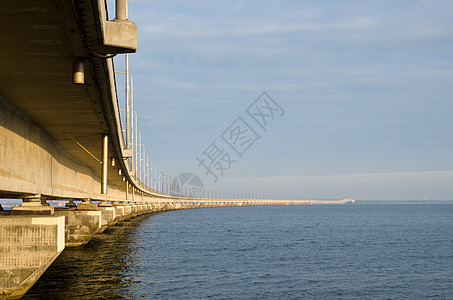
[
  {"x": 365, "y": 186},
  {"x": 366, "y": 85}
]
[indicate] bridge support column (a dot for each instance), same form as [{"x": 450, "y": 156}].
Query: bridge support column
[
  {"x": 127, "y": 212},
  {"x": 105, "y": 163},
  {"x": 119, "y": 214},
  {"x": 81, "y": 225},
  {"x": 70, "y": 204},
  {"x": 87, "y": 205},
  {"x": 32, "y": 205},
  {"x": 134, "y": 210},
  {"x": 28, "y": 244},
  {"x": 108, "y": 215}
]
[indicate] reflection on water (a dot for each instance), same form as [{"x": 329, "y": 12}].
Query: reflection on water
[
  {"x": 99, "y": 271},
  {"x": 280, "y": 252}
]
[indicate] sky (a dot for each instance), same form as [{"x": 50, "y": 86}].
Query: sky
[{"x": 359, "y": 95}]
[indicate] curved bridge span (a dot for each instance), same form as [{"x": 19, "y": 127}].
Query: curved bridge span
[{"x": 61, "y": 137}]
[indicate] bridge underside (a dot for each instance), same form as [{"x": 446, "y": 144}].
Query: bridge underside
[{"x": 50, "y": 127}]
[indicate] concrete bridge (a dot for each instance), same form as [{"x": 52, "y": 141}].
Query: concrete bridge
[{"x": 61, "y": 136}]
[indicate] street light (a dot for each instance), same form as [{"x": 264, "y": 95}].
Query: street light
[
  {"x": 129, "y": 103},
  {"x": 155, "y": 179}
]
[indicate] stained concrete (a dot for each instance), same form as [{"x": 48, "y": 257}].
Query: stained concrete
[
  {"x": 108, "y": 215},
  {"x": 28, "y": 245},
  {"x": 80, "y": 226}
]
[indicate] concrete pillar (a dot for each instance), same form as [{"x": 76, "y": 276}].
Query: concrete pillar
[
  {"x": 81, "y": 225},
  {"x": 28, "y": 245},
  {"x": 127, "y": 211},
  {"x": 108, "y": 215},
  {"x": 32, "y": 205},
  {"x": 105, "y": 163},
  {"x": 70, "y": 204},
  {"x": 119, "y": 214},
  {"x": 34, "y": 200},
  {"x": 87, "y": 205},
  {"x": 133, "y": 210},
  {"x": 138, "y": 209}
]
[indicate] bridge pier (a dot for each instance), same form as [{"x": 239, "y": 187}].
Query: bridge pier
[
  {"x": 138, "y": 209},
  {"x": 70, "y": 204},
  {"x": 127, "y": 211},
  {"x": 108, "y": 215},
  {"x": 119, "y": 214},
  {"x": 29, "y": 245},
  {"x": 87, "y": 205},
  {"x": 80, "y": 225},
  {"x": 32, "y": 205},
  {"x": 133, "y": 210}
]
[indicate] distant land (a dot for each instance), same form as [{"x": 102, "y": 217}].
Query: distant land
[{"x": 403, "y": 202}]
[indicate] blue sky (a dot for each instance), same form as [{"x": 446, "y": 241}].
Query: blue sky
[{"x": 366, "y": 87}]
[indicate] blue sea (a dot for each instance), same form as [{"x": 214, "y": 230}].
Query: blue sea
[{"x": 278, "y": 252}]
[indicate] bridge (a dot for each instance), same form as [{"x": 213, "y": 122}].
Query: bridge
[{"x": 62, "y": 138}]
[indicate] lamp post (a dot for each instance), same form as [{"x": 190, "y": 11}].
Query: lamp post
[
  {"x": 129, "y": 102},
  {"x": 155, "y": 179},
  {"x": 159, "y": 183},
  {"x": 151, "y": 177}
]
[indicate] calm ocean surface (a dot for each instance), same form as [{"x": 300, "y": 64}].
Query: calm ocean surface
[{"x": 280, "y": 252}]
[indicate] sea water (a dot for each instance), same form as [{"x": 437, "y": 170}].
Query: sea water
[{"x": 277, "y": 252}]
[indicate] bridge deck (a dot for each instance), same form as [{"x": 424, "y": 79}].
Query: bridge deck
[{"x": 39, "y": 40}]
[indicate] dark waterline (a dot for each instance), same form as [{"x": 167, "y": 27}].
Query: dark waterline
[{"x": 288, "y": 252}]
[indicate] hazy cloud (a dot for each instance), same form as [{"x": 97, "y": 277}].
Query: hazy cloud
[{"x": 366, "y": 84}]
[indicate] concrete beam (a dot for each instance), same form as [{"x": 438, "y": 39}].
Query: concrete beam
[{"x": 121, "y": 34}]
